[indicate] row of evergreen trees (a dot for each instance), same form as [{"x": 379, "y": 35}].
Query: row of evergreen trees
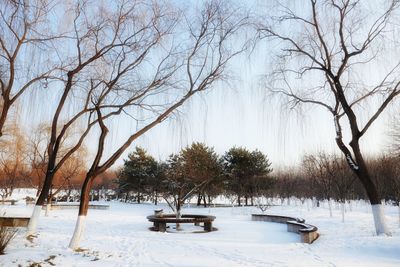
[{"x": 195, "y": 170}]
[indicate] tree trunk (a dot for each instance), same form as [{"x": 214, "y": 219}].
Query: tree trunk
[
  {"x": 48, "y": 202},
  {"x": 363, "y": 175},
  {"x": 239, "y": 200},
  {"x": 83, "y": 209},
  {"x": 79, "y": 228},
  {"x": 398, "y": 206},
  {"x": 199, "y": 199},
  {"x": 330, "y": 207},
  {"x": 4, "y": 113},
  {"x": 379, "y": 219},
  {"x": 251, "y": 201},
  {"x": 245, "y": 201},
  {"x": 178, "y": 213},
  {"x": 45, "y": 189},
  {"x": 155, "y": 198},
  {"x": 358, "y": 166},
  {"x": 33, "y": 221},
  {"x": 48, "y": 205},
  {"x": 204, "y": 201},
  {"x": 178, "y": 209},
  {"x": 38, "y": 191},
  {"x": 342, "y": 203},
  {"x": 69, "y": 194}
]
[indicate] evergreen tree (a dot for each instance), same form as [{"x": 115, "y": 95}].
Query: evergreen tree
[
  {"x": 246, "y": 172},
  {"x": 194, "y": 170},
  {"x": 202, "y": 165},
  {"x": 138, "y": 174}
]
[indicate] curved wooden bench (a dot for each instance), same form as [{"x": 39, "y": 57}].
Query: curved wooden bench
[
  {"x": 275, "y": 218},
  {"x": 75, "y": 206},
  {"x": 160, "y": 221},
  {"x": 9, "y": 201},
  {"x": 14, "y": 221},
  {"x": 308, "y": 233}
]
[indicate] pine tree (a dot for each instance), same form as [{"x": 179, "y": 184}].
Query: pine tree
[
  {"x": 138, "y": 173},
  {"x": 244, "y": 169}
]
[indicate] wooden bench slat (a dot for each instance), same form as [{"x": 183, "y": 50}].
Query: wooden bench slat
[{"x": 160, "y": 221}]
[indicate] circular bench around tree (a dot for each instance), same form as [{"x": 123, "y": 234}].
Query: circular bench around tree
[{"x": 160, "y": 221}]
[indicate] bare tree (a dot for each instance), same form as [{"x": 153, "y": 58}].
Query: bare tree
[
  {"x": 343, "y": 182},
  {"x": 73, "y": 169},
  {"x": 13, "y": 154},
  {"x": 38, "y": 157},
  {"x": 318, "y": 168},
  {"x": 394, "y": 136},
  {"x": 37, "y": 147},
  {"x": 24, "y": 34},
  {"x": 106, "y": 48},
  {"x": 330, "y": 177},
  {"x": 326, "y": 53},
  {"x": 200, "y": 61},
  {"x": 287, "y": 184}
]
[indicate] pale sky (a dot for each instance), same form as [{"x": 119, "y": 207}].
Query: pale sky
[{"x": 240, "y": 113}]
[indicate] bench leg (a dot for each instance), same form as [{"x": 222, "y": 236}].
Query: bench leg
[
  {"x": 208, "y": 226},
  {"x": 162, "y": 227}
]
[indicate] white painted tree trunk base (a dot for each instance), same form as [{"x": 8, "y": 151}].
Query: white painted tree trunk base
[
  {"x": 399, "y": 213},
  {"x": 330, "y": 208},
  {"x": 79, "y": 228},
  {"x": 314, "y": 202},
  {"x": 178, "y": 216},
  {"x": 342, "y": 204},
  {"x": 34, "y": 220},
  {"x": 379, "y": 220},
  {"x": 47, "y": 210}
]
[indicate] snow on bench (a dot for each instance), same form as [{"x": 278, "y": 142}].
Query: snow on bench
[
  {"x": 62, "y": 206},
  {"x": 160, "y": 221},
  {"x": 308, "y": 233}
]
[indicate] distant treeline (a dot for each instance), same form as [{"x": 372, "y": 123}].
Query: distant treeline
[{"x": 244, "y": 176}]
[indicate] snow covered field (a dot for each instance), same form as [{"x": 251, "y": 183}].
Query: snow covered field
[{"x": 120, "y": 237}]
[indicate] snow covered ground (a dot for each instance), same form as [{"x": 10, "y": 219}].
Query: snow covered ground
[{"x": 120, "y": 237}]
